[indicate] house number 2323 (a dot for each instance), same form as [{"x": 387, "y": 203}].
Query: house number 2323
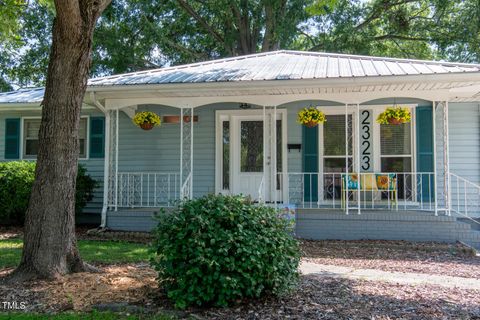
[{"x": 366, "y": 145}]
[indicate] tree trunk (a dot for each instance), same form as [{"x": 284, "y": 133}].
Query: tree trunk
[{"x": 50, "y": 246}]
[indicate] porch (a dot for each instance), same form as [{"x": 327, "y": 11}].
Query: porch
[{"x": 253, "y": 156}]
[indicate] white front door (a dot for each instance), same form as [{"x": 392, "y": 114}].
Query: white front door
[
  {"x": 241, "y": 152},
  {"x": 248, "y": 149}
]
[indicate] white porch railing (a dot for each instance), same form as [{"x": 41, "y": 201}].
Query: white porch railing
[
  {"x": 464, "y": 196},
  {"x": 406, "y": 191},
  {"x": 147, "y": 189}
]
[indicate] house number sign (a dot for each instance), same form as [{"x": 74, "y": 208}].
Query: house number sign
[{"x": 366, "y": 140}]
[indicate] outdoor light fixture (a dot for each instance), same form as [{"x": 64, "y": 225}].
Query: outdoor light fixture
[{"x": 244, "y": 106}]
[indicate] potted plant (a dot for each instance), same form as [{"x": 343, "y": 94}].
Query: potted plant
[
  {"x": 311, "y": 117},
  {"x": 395, "y": 116},
  {"x": 146, "y": 120}
]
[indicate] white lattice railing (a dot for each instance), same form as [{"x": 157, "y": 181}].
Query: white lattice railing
[
  {"x": 407, "y": 191},
  {"x": 148, "y": 189},
  {"x": 186, "y": 190},
  {"x": 464, "y": 197}
]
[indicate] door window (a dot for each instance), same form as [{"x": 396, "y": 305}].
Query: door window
[{"x": 251, "y": 150}]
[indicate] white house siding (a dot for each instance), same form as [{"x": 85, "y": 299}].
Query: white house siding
[
  {"x": 464, "y": 143},
  {"x": 93, "y": 166}
]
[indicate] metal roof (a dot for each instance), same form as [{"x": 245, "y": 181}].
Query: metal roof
[
  {"x": 285, "y": 65},
  {"x": 34, "y": 95},
  {"x": 277, "y": 65}
]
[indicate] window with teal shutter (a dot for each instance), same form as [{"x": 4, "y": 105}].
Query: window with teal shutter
[
  {"x": 310, "y": 163},
  {"x": 424, "y": 123},
  {"x": 97, "y": 137},
  {"x": 12, "y": 138}
]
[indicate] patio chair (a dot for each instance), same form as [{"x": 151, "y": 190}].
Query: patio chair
[{"x": 370, "y": 182}]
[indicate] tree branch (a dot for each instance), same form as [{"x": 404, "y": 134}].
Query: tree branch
[
  {"x": 200, "y": 20},
  {"x": 379, "y": 10},
  {"x": 399, "y": 37}
]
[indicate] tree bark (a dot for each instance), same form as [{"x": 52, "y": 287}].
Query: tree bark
[{"x": 50, "y": 246}]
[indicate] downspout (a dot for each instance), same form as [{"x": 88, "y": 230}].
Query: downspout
[{"x": 102, "y": 108}]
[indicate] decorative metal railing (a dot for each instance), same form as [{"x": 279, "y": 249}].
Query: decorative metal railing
[
  {"x": 379, "y": 190},
  {"x": 148, "y": 189},
  {"x": 464, "y": 197},
  {"x": 186, "y": 190}
]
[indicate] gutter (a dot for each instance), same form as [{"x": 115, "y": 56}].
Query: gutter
[{"x": 103, "y": 222}]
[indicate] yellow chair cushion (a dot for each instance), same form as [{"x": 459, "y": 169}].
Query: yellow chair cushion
[
  {"x": 386, "y": 181},
  {"x": 368, "y": 181}
]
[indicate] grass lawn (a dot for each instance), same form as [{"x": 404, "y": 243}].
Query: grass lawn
[{"x": 91, "y": 251}]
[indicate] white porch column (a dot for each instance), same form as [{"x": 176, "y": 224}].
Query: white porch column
[
  {"x": 446, "y": 159},
  {"x": 110, "y": 175},
  {"x": 434, "y": 125},
  {"x": 117, "y": 113},
  {"x": 106, "y": 171},
  {"x": 359, "y": 179},
  {"x": 346, "y": 159},
  {"x": 186, "y": 152},
  {"x": 264, "y": 179},
  {"x": 274, "y": 156}
]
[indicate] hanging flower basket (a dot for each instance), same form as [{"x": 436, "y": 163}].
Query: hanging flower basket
[
  {"x": 395, "y": 116},
  {"x": 310, "y": 117},
  {"x": 146, "y": 120},
  {"x": 146, "y": 126}
]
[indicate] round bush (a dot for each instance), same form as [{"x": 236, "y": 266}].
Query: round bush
[
  {"x": 16, "y": 179},
  {"x": 219, "y": 249}
]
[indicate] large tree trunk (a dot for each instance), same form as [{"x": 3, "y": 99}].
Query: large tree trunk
[{"x": 50, "y": 246}]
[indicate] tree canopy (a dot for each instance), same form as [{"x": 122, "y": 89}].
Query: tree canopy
[{"x": 135, "y": 35}]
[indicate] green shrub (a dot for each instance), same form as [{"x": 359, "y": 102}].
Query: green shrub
[
  {"x": 16, "y": 179},
  {"x": 218, "y": 249}
]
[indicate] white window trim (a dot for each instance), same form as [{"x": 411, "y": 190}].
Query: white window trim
[
  {"x": 22, "y": 138},
  {"x": 377, "y": 109}
]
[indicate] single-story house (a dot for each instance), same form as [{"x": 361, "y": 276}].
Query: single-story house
[{"x": 230, "y": 126}]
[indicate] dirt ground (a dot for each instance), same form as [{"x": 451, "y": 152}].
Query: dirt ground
[{"x": 132, "y": 288}]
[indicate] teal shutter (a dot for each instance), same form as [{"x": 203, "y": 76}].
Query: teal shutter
[
  {"x": 424, "y": 123},
  {"x": 12, "y": 138},
  {"x": 310, "y": 163},
  {"x": 97, "y": 137}
]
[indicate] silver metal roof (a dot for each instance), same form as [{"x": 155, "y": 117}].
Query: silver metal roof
[
  {"x": 277, "y": 65},
  {"x": 34, "y": 95},
  {"x": 285, "y": 65}
]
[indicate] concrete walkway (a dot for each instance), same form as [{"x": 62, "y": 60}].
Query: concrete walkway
[{"x": 394, "y": 277}]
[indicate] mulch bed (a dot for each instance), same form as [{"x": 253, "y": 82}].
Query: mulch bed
[
  {"x": 132, "y": 288},
  {"x": 396, "y": 256}
]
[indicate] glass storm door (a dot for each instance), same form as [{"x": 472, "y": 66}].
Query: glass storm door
[{"x": 247, "y": 156}]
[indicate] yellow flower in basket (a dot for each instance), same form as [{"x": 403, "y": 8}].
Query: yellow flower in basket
[
  {"x": 310, "y": 117},
  {"x": 146, "y": 120}
]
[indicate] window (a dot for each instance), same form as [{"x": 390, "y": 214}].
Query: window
[
  {"x": 334, "y": 143},
  {"x": 396, "y": 154},
  {"x": 31, "y": 127},
  {"x": 334, "y": 153},
  {"x": 226, "y": 155}
]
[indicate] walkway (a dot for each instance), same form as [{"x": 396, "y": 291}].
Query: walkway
[{"x": 394, "y": 277}]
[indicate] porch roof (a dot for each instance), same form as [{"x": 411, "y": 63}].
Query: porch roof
[{"x": 319, "y": 69}]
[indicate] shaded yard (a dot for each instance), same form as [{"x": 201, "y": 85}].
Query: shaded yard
[
  {"x": 103, "y": 252},
  {"x": 128, "y": 285}
]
